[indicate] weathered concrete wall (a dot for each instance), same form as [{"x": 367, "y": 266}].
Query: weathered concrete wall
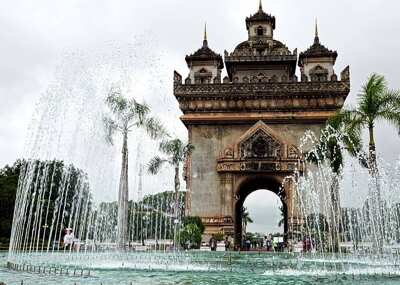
[{"x": 210, "y": 142}]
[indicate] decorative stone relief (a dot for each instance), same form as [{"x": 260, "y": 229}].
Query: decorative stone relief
[
  {"x": 260, "y": 145},
  {"x": 319, "y": 74},
  {"x": 345, "y": 74},
  {"x": 228, "y": 152},
  {"x": 293, "y": 152}
]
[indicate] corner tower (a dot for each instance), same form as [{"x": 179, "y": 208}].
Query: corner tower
[
  {"x": 205, "y": 65},
  {"x": 246, "y": 129},
  {"x": 317, "y": 62}
]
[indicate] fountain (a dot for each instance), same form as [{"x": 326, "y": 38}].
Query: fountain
[{"x": 69, "y": 181}]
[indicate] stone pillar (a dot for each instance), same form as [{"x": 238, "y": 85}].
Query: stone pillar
[
  {"x": 227, "y": 191},
  {"x": 294, "y": 216},
  {"x": 226, "y": 188}
]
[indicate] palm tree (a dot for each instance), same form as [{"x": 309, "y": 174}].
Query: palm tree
[
  {"x": 282, "y": 220},
  {"x": 338, "y": 135},
  {"x": 176, "y": 153},
  {"x": 375, "y": 103},
  {"x": 125, "y": 116},
  {"x": 246, "y": 219}
]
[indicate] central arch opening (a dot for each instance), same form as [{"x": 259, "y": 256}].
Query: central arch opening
[
  {"x": 262, "y": 199},
  {"x": 265, "y": 210}
]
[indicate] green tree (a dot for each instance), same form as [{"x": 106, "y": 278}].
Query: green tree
[
  {"x": 175, "y": 152},
  {"x": 8, "y": 189},
  {"x": 246, "y": 219},
  {"x": 127, "y": 115},
  {"x": 337, "y": 136},
  {"x": 54, "y": 196},
  {"x": 194, "y": 220},
  {"x": 190, "y": 236},
  {"x": 150, "y": 218},
  {"x": 219, "y": 236},
  {"x": 375, "y": 103}
]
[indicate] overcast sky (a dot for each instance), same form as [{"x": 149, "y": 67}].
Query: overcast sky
[{"x": 34, "y": 36}]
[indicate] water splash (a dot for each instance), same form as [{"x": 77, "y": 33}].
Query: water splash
[{"x": 70, "y": 174}]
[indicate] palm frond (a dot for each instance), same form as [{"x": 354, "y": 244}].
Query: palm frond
[
  {"x": 376, "y": 84},
  {"x": 391, "y": 116},
  {"x": 370, "y": 97},
  {"x": 118, "y": 104},
  {"x": 390, "y": 100},
  {"x": 154, "y": 128},
  {"x": 138, "y": 111},
  {"x": 188, "y": 149},
  {"x": 110, "y": 128},
  {"x": 171, "y": 147},
  {"x": 155, "y": 164},
  {"x": 341, "y": 133}
]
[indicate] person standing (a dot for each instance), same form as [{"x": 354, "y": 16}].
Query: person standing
[
  {"x": 68, "y": 239},
  {"x": 248, "y": 244},
  {"x": 274, "y": 244},
  {"x": 213, "y": 243},
  {"x": 227, "y": 243}
]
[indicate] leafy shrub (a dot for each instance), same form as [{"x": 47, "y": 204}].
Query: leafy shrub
[{"x": 190, "y": 236}]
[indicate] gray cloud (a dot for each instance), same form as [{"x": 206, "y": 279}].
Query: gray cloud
[{"x": 35, "y": 34}]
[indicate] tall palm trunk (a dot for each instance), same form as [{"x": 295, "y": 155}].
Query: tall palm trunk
[
  {"x": 378, "y": 209},
  {"x": 372, "y": 151},
  {"x": 177, "y": 186},
  {"x": 176, "y": 210},
  {"x": 123, "y": 196},
  {"x": 335, "y": 215}
]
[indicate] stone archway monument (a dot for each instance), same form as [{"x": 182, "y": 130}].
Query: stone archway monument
[{"x": 246, "y": 127}]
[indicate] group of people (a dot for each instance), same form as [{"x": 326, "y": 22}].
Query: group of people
[
  {"x": 267, "y": 243},
  {"x": 213, "y": 243}
]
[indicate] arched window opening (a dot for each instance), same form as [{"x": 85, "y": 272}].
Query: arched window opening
[{"x": 260, "y": 31}]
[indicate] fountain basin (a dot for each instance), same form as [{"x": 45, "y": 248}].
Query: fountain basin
[{"x": 196, "y": 268}]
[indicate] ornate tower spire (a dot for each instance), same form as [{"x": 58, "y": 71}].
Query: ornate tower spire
[
  {"x": 316, "y": 39},
  {"x": 205, "y": 42},
  {"x": 260, "y": 6}
]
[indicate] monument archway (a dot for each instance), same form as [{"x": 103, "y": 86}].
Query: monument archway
[
  {"x": 259, "y": 159},
  {"x": 247, "y": 126},
  {"x": 250, "y": 185}
]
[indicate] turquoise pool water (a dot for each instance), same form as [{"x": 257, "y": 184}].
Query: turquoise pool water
[{"x": 202, "y": 268}]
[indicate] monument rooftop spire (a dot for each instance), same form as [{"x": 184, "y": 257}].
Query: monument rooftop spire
[
  {"x": 316, "y": 38},
  {"x": 205, "y": 42},
  {"x": 260, "y": 17},
  {"x": 205, "y": 53},
  {"x": 317, "y": 50}
]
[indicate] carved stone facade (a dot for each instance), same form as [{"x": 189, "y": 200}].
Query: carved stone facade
[{"x": 246, "y": 130}]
